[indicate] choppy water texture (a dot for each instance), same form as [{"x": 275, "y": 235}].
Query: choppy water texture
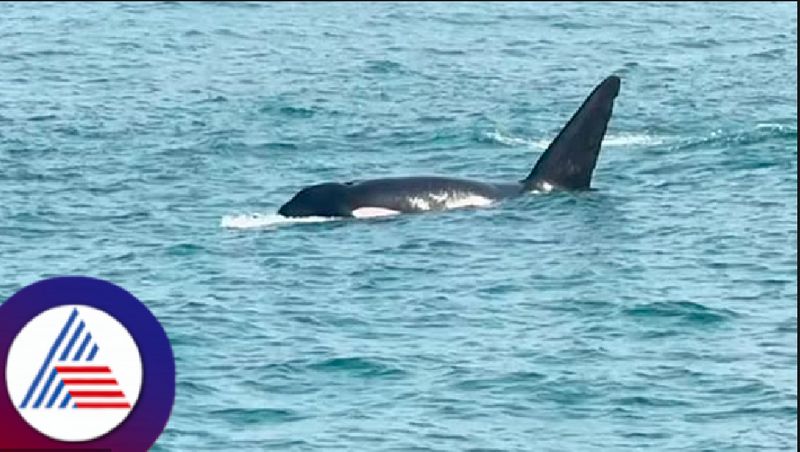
[{"x": 149, "y": 144}]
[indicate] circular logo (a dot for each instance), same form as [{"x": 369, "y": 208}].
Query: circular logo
[
  {"x": 83, "y": 364},
  {"x": 74, "y": 373}
]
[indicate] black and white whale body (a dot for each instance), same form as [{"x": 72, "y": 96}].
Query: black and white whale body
[{"x": 567, "y": 164}]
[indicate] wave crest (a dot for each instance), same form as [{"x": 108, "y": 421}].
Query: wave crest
[
  {"x": 266, "y": 221},
  {"x": 618, "y": 140}
]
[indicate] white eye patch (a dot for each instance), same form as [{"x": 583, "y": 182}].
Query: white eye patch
[{"x": 373, "y": 212}]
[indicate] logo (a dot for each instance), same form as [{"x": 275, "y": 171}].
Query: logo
[
  {"x": 61, "y": 381},
  {"x": 85, "y": 364}
]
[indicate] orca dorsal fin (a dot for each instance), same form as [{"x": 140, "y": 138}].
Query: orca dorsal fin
[{"x": 570, "y": 159}]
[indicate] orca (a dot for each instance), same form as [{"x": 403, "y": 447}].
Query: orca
[{"x": 566, "y": 164}]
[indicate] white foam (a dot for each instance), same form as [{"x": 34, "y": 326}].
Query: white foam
[
  {"x": 612, "y": 140},
  {"x": 373, "y": 212},
  {"x": 265, "y": 221},
  {"x": 632, "y": 139},
  {"x": 776, "y": 127},
  {"x": 507, "y": 139}
]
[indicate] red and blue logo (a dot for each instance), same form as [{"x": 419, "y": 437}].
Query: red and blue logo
[
  {"x": 68, "y": 365},
  {"x": 86, "y": 365}
]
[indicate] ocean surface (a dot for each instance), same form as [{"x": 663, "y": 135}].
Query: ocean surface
[{"x": 151, "y": 143}]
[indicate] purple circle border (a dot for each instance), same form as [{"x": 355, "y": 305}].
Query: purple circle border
[{"x": 149, "y": 416}]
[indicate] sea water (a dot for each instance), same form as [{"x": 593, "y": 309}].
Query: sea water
[{"x": 151, "y": 144}]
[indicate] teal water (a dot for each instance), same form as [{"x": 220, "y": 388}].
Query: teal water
[{"x": 149, "y": 144}]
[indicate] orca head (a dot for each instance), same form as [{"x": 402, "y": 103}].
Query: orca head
[{"x": 323, "y": 200}]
